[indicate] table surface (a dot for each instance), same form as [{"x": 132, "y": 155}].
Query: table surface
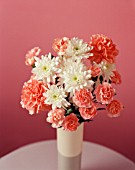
[{"x": 43, "y": 156}]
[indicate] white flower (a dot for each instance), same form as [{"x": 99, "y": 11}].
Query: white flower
[
  {"x": 75, "y": 76},
  {"x": 55, "y": 96},
  {"x": 76, "y": 47},
  {"x": 107, "y": 69},
  {"x": 46, "y": 68}
]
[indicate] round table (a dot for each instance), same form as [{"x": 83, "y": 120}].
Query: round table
[{"x": 43, "y": 156}]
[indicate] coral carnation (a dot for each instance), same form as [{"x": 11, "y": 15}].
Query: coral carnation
[
  {"x": 103, "y": 49},
  {"x": 32, "y": 96},
  {"x": 104, "y": 93},
  {"x": 88, "y": 113},
  {"x": 71, "y": 122},
  {"x": 30, "y": 60},
  {"x": 95, "y": 70},
  {"x": 60, "y": 45},
  {"x": 116, "y": 78},
  {"x": 56, "y": 117},
  {"x": 114, "y": 108},
  {"x": 83, "y": 98}
]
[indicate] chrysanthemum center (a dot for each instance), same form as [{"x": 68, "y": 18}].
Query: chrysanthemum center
[
  {"x": 106, "y": 66},
  {"x": 55, "y": 96},
  {"x": 75, "y": 78},
  {"x": 76, "y": 48},
  {"x": 45, "y": 68}
]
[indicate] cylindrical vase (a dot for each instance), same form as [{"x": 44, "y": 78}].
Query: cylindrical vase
[{"x": 69, "y": 146}]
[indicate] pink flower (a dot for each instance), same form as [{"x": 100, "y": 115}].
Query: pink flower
[
  {"x": 114, "y": 108},
  {"x": 56, "y": 117},
  {"x": 104, "y": 93},
  {"x": 83, "y": 98},
  {"x": 32, "y": 96},
  {"x": 95, "y": 70},
  {"x": 71, "y": 122},
  {"x": 103, "y": 49},
  {"x": 30, "y": 56},
  {"x": 116, "y": 78},
  {"x": 60, "y": 45},
  {"x": 88, "y": 113}
]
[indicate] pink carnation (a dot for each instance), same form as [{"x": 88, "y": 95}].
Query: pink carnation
[
  {"x": 71, "y": 122},
  {"x": 116, "y": 78},
  {"x": 95, "y": 70},
  {"x": 60, "y": 45},
  {"x": 56, "y": 117},
  {"x": 30, "y": 56},
  {"x": 104, "y": 93},
  {"x": 83, "y": 98},
  {"x": 114, "y": 108},
  {"x": 103, "y": 49},
  {"x": 88, "y": 113},
  {"x": 32, "y": 96}
]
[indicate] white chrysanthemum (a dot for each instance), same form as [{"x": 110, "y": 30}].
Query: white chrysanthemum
[
  {"x": 107, "y": 69},
  {"x": 55, "y": 96},
  {"x": 75, "y": 76},
  {"x": 46, "y": 68},
  {"x": 76, "y": 47}
]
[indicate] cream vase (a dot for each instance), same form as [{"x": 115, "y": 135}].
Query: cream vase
[{"x": 69, "y": 146}]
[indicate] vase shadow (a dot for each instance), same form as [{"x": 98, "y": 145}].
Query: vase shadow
[
  {"x": 116, "y": 166},
  {"x": 66, "y": 163}
]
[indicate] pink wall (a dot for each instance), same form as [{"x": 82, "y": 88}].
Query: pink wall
[{"x": 25, "y": 24}]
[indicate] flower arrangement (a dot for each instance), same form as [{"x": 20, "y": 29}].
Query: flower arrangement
[{"x": 74, "y": 84}]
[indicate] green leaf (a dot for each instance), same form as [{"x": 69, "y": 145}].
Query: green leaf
[{"x": 68, "y": 112}]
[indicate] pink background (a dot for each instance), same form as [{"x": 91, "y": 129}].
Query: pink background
[{"x": 26, "y": 24}]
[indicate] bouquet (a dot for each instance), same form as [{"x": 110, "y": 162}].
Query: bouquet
[{"x": 75, "y": 84}]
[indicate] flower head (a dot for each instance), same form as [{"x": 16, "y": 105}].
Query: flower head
[
  {"x": 116, "y": 78},
  {"x": 56, "y": 97},
  {"x": 30, "y": 56},
  {"x": 103, "y": 49},
  {"x": 56, "y": 117},
  {"x": 76, "y": 47},
  {"x": 114, "y": 108},
  {"x": 107, "y": 69},
  {"x": 104, "y": 93},
  {"x": 60, "y": 45},
  {"x": 71, "y": 122},
  {"x": 95, "y": 70},
  {"x": 46, "y": 68},
  {"x": 75, "y": 76},
  {"x": 32, "y": 96},
  {"x": 83, "y": 98},
  {"x": 88, "y": 113}
]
